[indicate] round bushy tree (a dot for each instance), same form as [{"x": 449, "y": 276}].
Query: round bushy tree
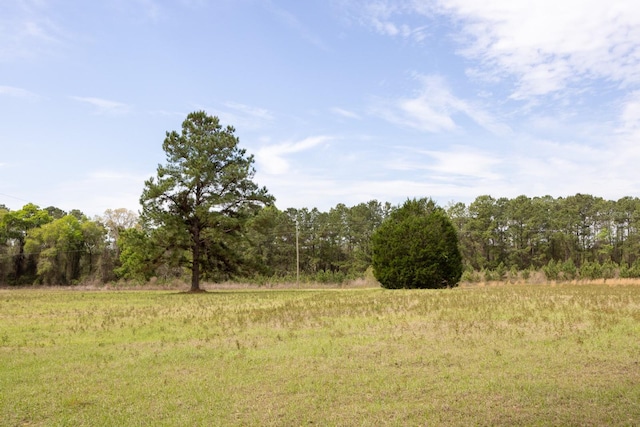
[{"x": 417, "y": 247}]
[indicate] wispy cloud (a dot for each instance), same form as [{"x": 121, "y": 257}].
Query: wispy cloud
[
  {"x": 98, "y": 191},
  {"x": 247, "y": 110},
  {"x": 548, "y": 46},
  {"x": 345, "y": 113},
  {"x": 16, "y": 92},
  {"x": 465, "y": 161},
  {"x": 242, "y": 116},
  {"x": 433, "y": 109},
  {"x": 385, "y": 17},
  {"x": 272, "y": 158},
  {"x": 459, "y": 164},
  {"x": 293, "y": 22},
  {"x": 302, "y": 189},
  {"x": 551, "y": 45},
  {"x": 104, "y": 106},
  {"x": 630, "y": 115},
  {"x": 429, "y": 111},
  {"x": 27, "y": 30}
]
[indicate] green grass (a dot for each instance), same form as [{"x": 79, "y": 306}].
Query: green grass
[{"x": 508, "y": 355}]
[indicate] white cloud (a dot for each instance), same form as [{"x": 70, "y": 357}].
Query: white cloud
[
  {"x": 630, "y": 115},
  {"x": 272, "y": 158},
  {"x": 382, "y": 17},
  {"x": 433, "y": 109},
  {"x": 242, "y": 116},
  {"x": 623, "y": 148},
  {"x": 324, "y": 191},
  {"x": 16, "y": 92},
  {"x": 458, "y": 165},
  {"x": 345, "y": 113},
  {"x": 549, "y": 45},
  {"x": 546, "y": 45},
  {"x": 92, "y": 192},
  {"x": 430, "y": 110},
  {"x": 98, "y": 191},
  {"x": 27, "y": 30},
  {"x": 559, "y": 169},
  {"x": 104, "y": 106},
  {"x": 296, "y": 24},
  {"x": 465, "y": 161},
  {"x": 249, "y": 111}
]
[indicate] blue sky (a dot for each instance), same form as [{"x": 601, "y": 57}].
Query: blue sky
[{"x": 340, "y": 101}]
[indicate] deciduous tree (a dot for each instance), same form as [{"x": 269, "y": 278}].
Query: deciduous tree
[
  {"x": 66, "y": 249},
  {"x": 15, "y": 226}
]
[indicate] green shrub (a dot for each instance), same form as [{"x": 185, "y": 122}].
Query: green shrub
[
  {"x": 591, "y": 270},
  {"x": 568, "y": 269},
  {"x": 500, "y": 272},
  {"x": 328, "y": 276},
  {"x": 551, "y": 270},
  {"x": 630, "y": 271},
  {"x": 608, "y": 270},
  {"x": 468, "y": 276},
  {"x": 417, "y": 247},
  {"x": 489, "y": 275}
]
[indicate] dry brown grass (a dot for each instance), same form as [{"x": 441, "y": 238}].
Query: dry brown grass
[{"x": 597, "y": 282}]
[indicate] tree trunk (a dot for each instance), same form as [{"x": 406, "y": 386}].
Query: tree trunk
[
  {"x": 19, "y": 262},
  {"x": 195, "y": 268}
]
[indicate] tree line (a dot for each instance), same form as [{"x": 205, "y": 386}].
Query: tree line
[
  {"x": 54, "y": 247},
  {"x": 554, "y": 234},
  {"x": 566, "y": 237},
  {"x": 203, "y": 215},
  {"x": 51, "y": 246}
]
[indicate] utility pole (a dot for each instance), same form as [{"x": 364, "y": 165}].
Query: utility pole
[{"x": 297, "y": 257}]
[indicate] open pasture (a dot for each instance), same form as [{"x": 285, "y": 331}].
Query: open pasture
[{"x": 504, "y": 355}]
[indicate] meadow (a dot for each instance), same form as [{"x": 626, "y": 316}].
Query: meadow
[{"x": 482, "y": 355}]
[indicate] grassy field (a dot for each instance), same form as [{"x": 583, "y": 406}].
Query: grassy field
[{"x": 502, "y": 355}]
